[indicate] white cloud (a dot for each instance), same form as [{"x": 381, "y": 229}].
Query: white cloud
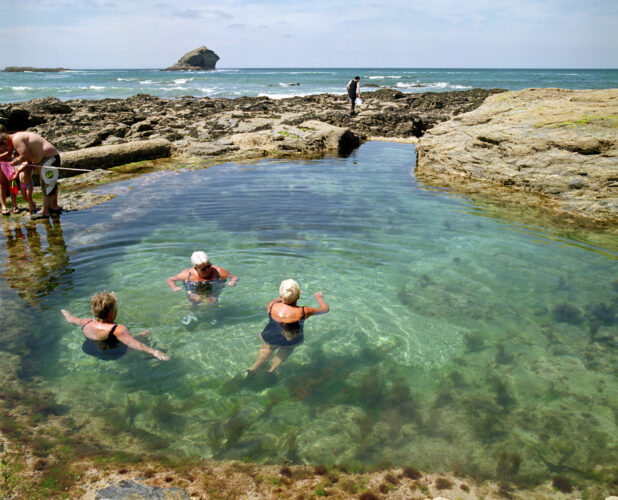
[{"x": 142, "y": 33}]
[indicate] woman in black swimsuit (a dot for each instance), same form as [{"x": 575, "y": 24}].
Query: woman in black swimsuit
[
  {"x": 104, "y": 338},
  {"x": 284, "y": 330}
]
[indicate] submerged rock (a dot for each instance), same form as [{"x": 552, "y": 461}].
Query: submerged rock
[{"x": 138, "y": 491}]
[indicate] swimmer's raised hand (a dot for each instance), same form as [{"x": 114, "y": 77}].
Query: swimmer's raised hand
[{"x": 160, "y": 355}]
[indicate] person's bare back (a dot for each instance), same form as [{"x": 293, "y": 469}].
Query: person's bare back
[{"x": 31, "y": 147}]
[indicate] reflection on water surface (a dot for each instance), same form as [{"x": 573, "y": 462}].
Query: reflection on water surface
[{"x": 454, "y": 339}]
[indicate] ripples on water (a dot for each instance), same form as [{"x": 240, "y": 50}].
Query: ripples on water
[{"x": 454, "y": 339}]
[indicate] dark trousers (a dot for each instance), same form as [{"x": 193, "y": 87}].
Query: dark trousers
[{"x": 352, "y": 103}]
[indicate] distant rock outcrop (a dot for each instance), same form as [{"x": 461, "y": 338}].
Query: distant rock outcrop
[
  {"x": 196, "y": 60},
  {"x": 20, "y": 69}
]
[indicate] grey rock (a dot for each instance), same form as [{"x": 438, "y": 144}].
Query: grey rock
[
  {"x": 117, "y": 154},
  {"x": 559, "y": 143},
  {"x": 131, "y": 490},
  {"x": 199, "y": 59}
]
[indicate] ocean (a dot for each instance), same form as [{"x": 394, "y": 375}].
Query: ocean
[{"x": 284, "y": 82}]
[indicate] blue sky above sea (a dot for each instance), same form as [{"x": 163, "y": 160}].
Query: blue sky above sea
[{"x": 276, "y": 33}]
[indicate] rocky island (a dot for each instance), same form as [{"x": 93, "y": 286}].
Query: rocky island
[
  {"x": 199, "y": 59},
  {"x": 22, "y": 69}
]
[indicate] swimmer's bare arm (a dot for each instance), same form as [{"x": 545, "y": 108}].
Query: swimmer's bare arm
[
  {"x": 310, "y": 311},
  {"x": 225, "y": 274},
  {"x": 125, "y": 337},
  {"x": 74, "y": 319},
  {"x": 182, "y": 276}
]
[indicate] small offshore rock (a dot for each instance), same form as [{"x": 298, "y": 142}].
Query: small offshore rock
[{"x": 199, "y": 59}]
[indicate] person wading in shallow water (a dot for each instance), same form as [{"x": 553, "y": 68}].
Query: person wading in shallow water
[
  {"x": 202, "y": 279},
  {"x": 203, "y": 284},
  {"x": 104, "y": 338},
  {"x": 353, "y": 92},
  {"x": 284, "y": 330}
]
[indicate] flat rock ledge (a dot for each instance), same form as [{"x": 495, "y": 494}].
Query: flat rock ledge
[
  {"x": 116, "y": 154},
  {"x": 562, "y": 144}
]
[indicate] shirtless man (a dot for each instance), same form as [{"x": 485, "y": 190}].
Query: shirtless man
[{"x": 32, "y": 149}]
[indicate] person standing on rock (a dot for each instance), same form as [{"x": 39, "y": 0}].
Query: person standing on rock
[
  {"x": 353, "y": 92},
  {"x": 32, "y": 149}
]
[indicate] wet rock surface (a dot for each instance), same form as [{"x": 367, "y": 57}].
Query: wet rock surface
[
  {"x": 137, "y": 491},
  {"x": 562, "y": 144},
  {"x": 199, "y": 125}
]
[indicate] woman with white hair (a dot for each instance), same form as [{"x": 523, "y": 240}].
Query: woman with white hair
[
  {"x": 284, "y": 330},
  {"x": 203, "y": 282}
]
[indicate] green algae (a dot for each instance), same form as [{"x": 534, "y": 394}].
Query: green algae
[{"x": 606, "y": 120}]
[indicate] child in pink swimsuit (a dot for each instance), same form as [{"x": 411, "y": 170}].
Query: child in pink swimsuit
[{"x": 6, "y": 155}]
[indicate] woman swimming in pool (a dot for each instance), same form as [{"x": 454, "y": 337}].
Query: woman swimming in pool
[
  {"x": 204, "y": 281},
  {"x": 284, "y": 330},
  {"x": 104, "y": 338}
]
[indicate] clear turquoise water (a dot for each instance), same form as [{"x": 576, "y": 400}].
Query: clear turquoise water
[
  {"x": 454, "y": 340},
  {"x": 285, "y": 82}
]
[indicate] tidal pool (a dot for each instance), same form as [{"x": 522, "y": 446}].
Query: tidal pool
[{"x": 455, "y": 341}]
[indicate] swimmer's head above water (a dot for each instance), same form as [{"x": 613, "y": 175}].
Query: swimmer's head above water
[
  {"x": 289, "y": 291},
  {"x": 199, "y": 258},
  {"x": 103, "y": 305}
]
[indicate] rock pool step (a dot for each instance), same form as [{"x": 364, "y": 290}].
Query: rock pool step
[{"x": 114, "y": 155}]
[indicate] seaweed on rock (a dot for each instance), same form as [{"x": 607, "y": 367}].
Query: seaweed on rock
[
  {"x": 603, "y": 313},
  {"x": 567, "y": 313}
]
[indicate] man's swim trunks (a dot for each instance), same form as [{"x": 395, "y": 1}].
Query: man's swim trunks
[{"x": 49, "y": 176}]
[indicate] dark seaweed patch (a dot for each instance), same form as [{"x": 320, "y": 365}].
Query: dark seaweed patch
[{"x": 567, "y": 313}]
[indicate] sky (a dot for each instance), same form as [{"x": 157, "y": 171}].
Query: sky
[{"x": 312, "y": 33}]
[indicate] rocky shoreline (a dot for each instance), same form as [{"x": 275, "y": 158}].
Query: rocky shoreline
[
  {"x": 207, "y": 127},
  {"x": 558, "y": 145}
]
